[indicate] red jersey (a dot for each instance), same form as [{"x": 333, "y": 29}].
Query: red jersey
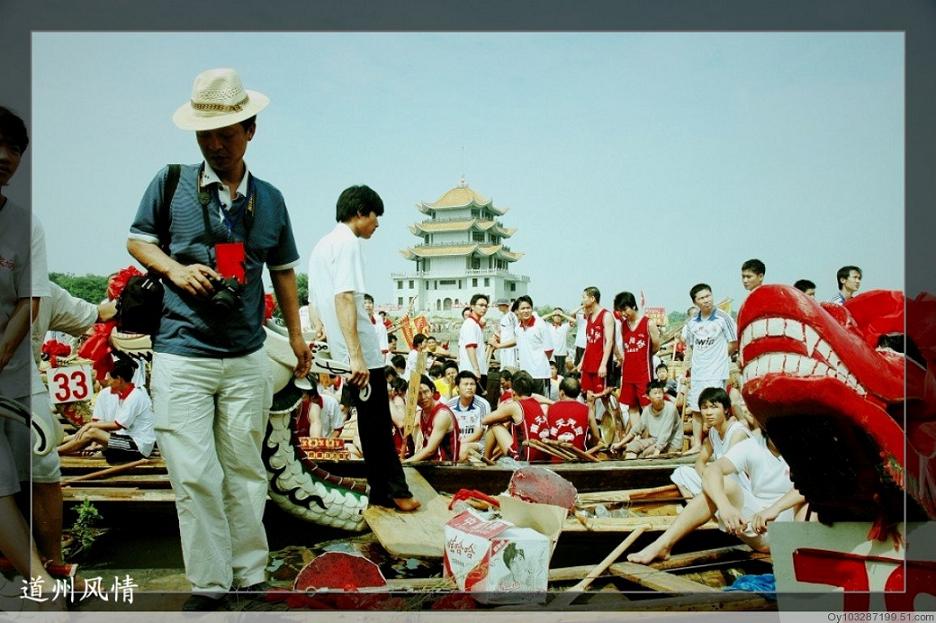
[
  {"x": 568, "y": 421},
  {"x": 534, "y": 426},
  {"x": 594, "y": 342},
  {"x": 302, "y": 419},
  {"x": 506, "y": 395},
  {"x": 637, "y": 358},
  {"x": 450, "y": 447}
]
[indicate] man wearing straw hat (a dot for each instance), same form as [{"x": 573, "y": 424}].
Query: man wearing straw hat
[{"x": 211, "y": 384}]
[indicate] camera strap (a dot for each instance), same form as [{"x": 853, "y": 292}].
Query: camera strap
[{"x": 204, "y": 198}]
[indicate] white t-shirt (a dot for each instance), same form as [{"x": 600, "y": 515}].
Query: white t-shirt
[
  {"x": 580, "y": 329},
  {"x": 508, "y": 333},
  {"x": 471, "y": 334},
  {"x": 337, "y": 266},
  {"x": 105, "y": 406},
  {"x": 382, "y": 338},
  {"x": 332, "y": 417},
  {"x": 532, "y": 344},
  {"x": 769, "y": 474},
  {"x": 559, "y": 336},
  {"x": 135, "y": 416},
  {"x": 708, "y": 338}
]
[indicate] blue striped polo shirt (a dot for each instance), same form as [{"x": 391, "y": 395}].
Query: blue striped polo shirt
[{"x": 189, "y": 327}]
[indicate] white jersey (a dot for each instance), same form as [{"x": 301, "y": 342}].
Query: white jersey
[
  {"x": 708, "y": 338},
  {"x": 472, "y": 335}
]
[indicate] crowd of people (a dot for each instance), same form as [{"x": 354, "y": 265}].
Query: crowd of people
[{"x": 207, "y": 231}]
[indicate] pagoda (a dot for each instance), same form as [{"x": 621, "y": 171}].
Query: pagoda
[{"x": 461, "y": 252}]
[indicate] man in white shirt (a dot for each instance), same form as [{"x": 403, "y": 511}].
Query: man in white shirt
[
  {"x": 507, "y": 330},
  {"x": 122, "y": 422},
  {"x": 740, "y": 511},
  {"x": 471, "y": 351},
  {"x": 533, "y": 343},
  {"x": 336, "y": 290},
  {"x": 379, "y": 326},
  {"x": 469, "y": 409},
  {"x": 559, "y": 333},
  {"x": 712, "y": 336}
]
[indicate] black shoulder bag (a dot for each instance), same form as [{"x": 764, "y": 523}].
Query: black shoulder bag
[{"x": 139, "y": 307}]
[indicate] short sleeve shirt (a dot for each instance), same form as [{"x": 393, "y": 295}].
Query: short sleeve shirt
[
  {"x": 189, "y": 326},
  {"x": 336, "y": 267},
  {"x": 469, "y": 418},
  {"x": 135, "y": 416},
  {"x": 708, "y": 338},
  {"x": 532, "y": 344},
  {"x": 23, "y": 275},
  {"x": 471, "y": 334}
]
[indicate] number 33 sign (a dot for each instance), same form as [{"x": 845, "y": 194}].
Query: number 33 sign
[{"x": 70, "y": 384}]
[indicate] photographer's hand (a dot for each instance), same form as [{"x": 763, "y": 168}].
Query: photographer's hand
[{"x": 193, "y": 278}]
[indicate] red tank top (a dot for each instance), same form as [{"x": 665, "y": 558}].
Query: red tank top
[
  {"x": 534, "y": 426},
  {"x": 594, "y": 342},
  {"x": 450, "y": 447},
  {"x": 637, "y": 358}
]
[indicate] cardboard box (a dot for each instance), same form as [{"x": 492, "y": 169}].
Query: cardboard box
[{"x": 495, "y": 558}]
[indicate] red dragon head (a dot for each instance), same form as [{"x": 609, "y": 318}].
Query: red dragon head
[{"x": 843, "y": 393}]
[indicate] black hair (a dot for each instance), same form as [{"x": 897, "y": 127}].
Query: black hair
[
  {"x": 399, "y": 385},
  {"x": 625, "y": 299},
  {"x": 425, "y": 380},
  {"x": 662, "y": 365},
  {"x": 477, "y": 297},
  {"x": 398, "y": 361},
  {"x": 514, "y": 304},
  {"x": 436, "y": 370},
  {"x": 123, "y": 369},
  {"x": 392, "y": 337},
  {"x": 465, "y": 374},
  {"x": 450, "y": 364},
  {"x": 755, "y": 266},
  {"x": 368, "y": 297},
  {"x": 698, "y": 288},
  {"x": 524, "y": 299},
  {"x": 418, "y": 340},
  {"x": 13, "y": 130},
  {"x": 804, "y": 284},
  {"x": 466, "y": 309},
  {"x": 391, "y": 373},
  {"x": 249, "y": 123},
  {"x": 522, "y": 383},
  {"x": 357, "y": 201},
  {"x": 432, "y": 337},
  {"x": 571, "y": 387},
  {"x": 718, "y": 396},
  {"x": 593, "y": 292},
  {"x": 506, "y": 375},
  {"x": 655, "y": 384},
  {"x": 843, "y": 274}
]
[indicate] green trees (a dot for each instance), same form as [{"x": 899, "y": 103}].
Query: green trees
[{"x": 92, "y": 288}]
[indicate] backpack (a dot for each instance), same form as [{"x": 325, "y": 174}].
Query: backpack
[{"x": 139, "y": 306}]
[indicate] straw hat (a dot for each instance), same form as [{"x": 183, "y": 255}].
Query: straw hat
[{"x": 218, "y": 100}]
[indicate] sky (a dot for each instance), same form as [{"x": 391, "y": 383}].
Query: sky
[{"x": 630, "y": 161}]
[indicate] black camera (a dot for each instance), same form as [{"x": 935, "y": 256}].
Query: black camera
[{"x": 226, "y": 297}]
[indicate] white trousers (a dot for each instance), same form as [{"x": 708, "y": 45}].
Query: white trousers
[{"x": 211, "y": 415}]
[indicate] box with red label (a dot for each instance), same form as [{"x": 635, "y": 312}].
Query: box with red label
[{"x": 496, "y": 558}]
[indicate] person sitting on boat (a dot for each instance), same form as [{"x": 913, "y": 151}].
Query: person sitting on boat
[
  {"x": 439, "y": 426},
  {"x": 738, "y": 406},
  {"x": 741, "y": 511},
  {"x": 446, "y": 382},
  {"x": 658, "y": 431},
  {"x": 506, "y": 385},
  {"x": 435, "y": 349},
  {"x": 515, "y": 421},
  {"x": 569, "y": 420},
  {"x": 724, "y": 431},
  {"x": 397, "y": 393},
  {"x": 122, "y": 422},
  {"x": 469, "y": 408},
  {"x": 320, "y": 415}
]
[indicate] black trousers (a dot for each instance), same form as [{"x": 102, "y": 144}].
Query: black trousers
[{"x": 381, "y": 462}]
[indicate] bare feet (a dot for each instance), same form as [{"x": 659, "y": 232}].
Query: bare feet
[
  {"x": 652, "y": 552},
  {"x": 406, "y": 505},
  {"x": 693, "y": 450}
]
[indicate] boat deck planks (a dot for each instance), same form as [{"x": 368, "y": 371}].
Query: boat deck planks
[
  {"x": 412, "y": 535},
  {"x": 655, "y": 523},
  {"x": 654, "y": 579}
]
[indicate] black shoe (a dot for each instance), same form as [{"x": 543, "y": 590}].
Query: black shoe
[
  {"x": 259, "y": 587},
  {"x": 203, "y": 603}
]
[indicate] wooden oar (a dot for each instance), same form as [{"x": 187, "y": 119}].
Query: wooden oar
[
  {"x": 110, "y": 471},
  {"x": 610, "y": 558},
  {"x": 412, "y": 393}
]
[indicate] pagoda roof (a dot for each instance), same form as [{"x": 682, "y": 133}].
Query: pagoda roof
[
  {"x": 434, "y": 227},
  {"x": 462, "y": 196},
  {"x": 484, "y": 250}
]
